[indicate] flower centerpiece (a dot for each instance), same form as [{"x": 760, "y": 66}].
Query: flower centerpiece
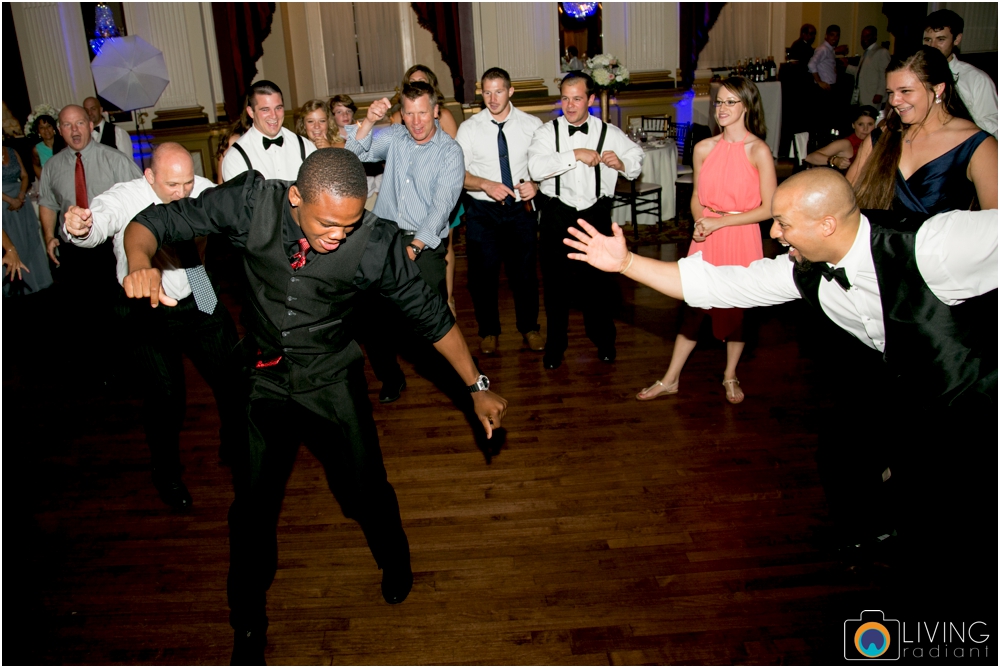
[
  {"x": 40, "y": 110},
  {"x": 610, "y": 76}
]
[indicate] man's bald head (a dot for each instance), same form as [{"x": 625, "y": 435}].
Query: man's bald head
[
  {"x": 815, "y": 213},
  {"x": 170, "y": 172},
  {"x": 75, "y": 126},
  {"x": 94, "y": 110},
  {"x": 820, "y": 192}
]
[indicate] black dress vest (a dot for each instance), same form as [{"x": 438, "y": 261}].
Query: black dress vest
[
  {"x": 300, "y": 313},
  {"x": 930, "y": 347},
  {"x": 108, "y": 135}
]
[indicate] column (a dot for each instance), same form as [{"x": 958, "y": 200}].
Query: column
[{"x": 53, "y": 44}]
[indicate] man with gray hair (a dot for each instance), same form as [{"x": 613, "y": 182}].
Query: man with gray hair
[{"x": 195, "y": 323}]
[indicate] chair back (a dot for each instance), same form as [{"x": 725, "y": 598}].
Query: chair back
[
  {"x": 694, "y": 134},
  {"x": 656, "y": 125}
]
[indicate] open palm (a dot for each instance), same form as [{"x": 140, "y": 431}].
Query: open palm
[{"x": 597, "y": 250}]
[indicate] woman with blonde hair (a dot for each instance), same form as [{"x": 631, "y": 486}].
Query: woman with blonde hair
[
  {"x": 734, "y": 180},
  {"x": 312, "y": 121}
]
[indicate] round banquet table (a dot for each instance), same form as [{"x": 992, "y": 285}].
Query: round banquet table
[{"x": 659, "y": 166}]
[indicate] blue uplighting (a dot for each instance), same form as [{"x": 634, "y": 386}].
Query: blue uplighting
[{"x": 580, "y": 10}]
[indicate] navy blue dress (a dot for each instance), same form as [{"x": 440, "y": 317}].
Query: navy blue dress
[{"x": 941, "y": 184}]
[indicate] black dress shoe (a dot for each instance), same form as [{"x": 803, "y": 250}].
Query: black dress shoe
[
  {"x": 248, "y": 648},
  {"x": 390, "y": 391},
  {"x": 552, "y": 360},
  {"x": 396, "y": 584},
  {"x": 607, "y": 355},
  {"x": 174, "y": 493}
]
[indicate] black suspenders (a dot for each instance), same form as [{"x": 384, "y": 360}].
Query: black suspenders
[
  {"x": 597, "y": 167},
  {"x": 302, "y": 152},
  {"x": 246, "y": 158}
]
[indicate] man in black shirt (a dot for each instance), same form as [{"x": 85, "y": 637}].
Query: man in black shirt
[{"x": 310, "y": 251}]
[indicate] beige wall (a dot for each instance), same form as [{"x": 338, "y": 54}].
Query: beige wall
[{"x": 850, "y": 16}]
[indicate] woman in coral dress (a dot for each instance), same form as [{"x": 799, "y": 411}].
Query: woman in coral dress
[{"x": 734, "y": 181}]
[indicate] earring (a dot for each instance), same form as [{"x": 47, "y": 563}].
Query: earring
[{"x": 937, "y": 99}]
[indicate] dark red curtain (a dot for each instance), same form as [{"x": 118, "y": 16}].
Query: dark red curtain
[
  {"x": 240, "y": 29},
  {"x": 697, "y": 18},
  {"x": 445, "y": 21}
]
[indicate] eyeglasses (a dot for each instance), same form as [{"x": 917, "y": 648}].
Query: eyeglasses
[{"x": 728, "y": 103}]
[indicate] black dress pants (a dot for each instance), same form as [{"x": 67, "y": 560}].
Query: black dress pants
[
  {"x": 345, "y": 440},
  {"x": 160, "y": 337},
  {"x": 567, "y": 281},
  {"x": 499, "y": 234},
  {"x": 382, "y": 325}
]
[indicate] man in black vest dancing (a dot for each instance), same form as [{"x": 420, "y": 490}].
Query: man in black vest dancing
[
  {"x": 310, "y": 250},
  {"x": 577, "y": 160},
  {"x": 904, "y": 295}
]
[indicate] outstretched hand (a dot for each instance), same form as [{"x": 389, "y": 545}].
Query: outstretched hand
[
  {"x": 490, "y": 409},
  {"x": 78, "y": 221},
  {"x": 597, "y": 250},
  {"x": 146, "y": 284}
]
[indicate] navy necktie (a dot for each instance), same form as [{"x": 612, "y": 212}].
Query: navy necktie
[
  {"x": 838, "y": 274},
  {"x": 277, "y": 142},
  {"x": 505, "y": 175}
]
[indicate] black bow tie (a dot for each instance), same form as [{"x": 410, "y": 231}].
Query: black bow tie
[
  {"x": 838, "y": 274},
  {"x": 574, "y": 129},
  {"x": 277, "y": 142}
]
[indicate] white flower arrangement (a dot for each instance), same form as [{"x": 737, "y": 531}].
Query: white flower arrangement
[
  {"x": 40, "y": 110},
  {"x": 607, "y": 72}
]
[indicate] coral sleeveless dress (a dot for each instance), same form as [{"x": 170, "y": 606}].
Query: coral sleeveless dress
[{"x": 729, "y": 183}]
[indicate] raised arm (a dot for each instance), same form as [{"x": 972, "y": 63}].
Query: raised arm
[{"x": 763, "y": 283}]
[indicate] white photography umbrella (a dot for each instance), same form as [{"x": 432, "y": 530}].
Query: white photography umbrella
[{"x": 130, "y": 73}]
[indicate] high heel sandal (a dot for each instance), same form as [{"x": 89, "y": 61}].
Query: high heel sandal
[
  {"x": 660, "y": 389},
  {"x": 731, "y": 386}
]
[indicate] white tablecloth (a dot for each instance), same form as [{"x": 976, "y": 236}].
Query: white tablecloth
[
  {"x": 659, "y": 166},
  {"x": 770, "y": 98}
]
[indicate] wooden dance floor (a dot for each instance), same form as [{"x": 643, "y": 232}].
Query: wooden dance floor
[{"x": 606, "y": 531}]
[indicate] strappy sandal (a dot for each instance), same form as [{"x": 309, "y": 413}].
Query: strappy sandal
[
  {"x": 730, "y": 386},
  {"x": 660, "y": 389}
]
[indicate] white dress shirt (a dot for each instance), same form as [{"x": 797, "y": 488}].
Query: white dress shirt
[
  {"x": 478, "y": 138},
  {"x": 277, "y": 162},
  {"x": 123, "y": 142},
  {"x": 870, "y": 75},
  {"x": 576, "y": 183},
  {"x": 824, "y": 63},
  {"x": 956, "y": 255},
  {"x": 113, "y": 210},
  {"x": 978, "y": 92}
]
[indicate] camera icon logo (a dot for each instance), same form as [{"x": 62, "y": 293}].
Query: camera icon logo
[{"x": 872, "y": 637}]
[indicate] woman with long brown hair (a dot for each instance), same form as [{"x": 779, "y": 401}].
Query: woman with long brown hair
[
  {"x": 931, "y": 157},
  {"x": 734, "y": 180},
  {"x": 313, "y": 122}
]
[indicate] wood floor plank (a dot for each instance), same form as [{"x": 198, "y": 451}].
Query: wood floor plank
[{"x": 606, "y": 531}]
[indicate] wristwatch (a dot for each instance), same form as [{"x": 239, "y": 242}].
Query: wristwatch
[
  {"x": 417, "y": 250},
  {"x": 482, "y": 383}
]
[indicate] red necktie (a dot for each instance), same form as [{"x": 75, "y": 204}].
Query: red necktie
[
  {"x": 80, "y": 181},
  {"x": 299, "y": 258}
]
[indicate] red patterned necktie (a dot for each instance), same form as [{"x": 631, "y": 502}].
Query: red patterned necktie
[
  {"x": 80, "y": 181},
  {"x": 299, "y": 258}
]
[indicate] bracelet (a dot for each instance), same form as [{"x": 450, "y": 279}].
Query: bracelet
[
  {"x": 631, "y": 256},
  {"x": 830, "y": 161}
]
